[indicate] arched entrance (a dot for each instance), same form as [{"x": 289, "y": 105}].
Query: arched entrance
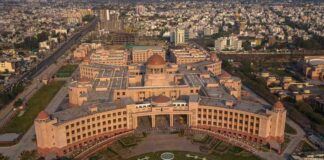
[
  {"x": 144, "y": 122},
  {"x": 162, "y": 121},
  {"x": 180, "y": 120}
]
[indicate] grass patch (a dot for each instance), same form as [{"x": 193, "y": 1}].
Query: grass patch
[
  {"x": 235, "y": 149},
  {"x": 178, "y": 155},
  {"x": 279, "y": 71},
  {"x": 66, "y": 70},
  {"x": 128, "y": 141},
  {"x": 286, "y": 142},
  {"x": 107, "y": 153},
  {"x": 222, "y": 147},
  {"x": 307, "y": 148},
  {"x": 200, "y": 138},
  {"x": 36, "y": 103},
  {"x": 290, "y": 130},
  {"x": 321, "y": 87}
]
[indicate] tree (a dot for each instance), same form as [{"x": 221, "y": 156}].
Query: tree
[
  {"x": 29, "y": 155},
  {"x": 18, "y": 103},
  {"x": 87, "y": 18},
  {"x": 43, "y": 36}
]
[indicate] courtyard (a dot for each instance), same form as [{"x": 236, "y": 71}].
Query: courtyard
[{"x": 145, "y": 146}]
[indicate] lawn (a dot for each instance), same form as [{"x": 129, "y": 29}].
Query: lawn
[
  {"x": 321, "y": 87},
  {"x": 66, "y": 70},
  {"x": 290, "y": 130},
  {"x": 222, "y": 147},
  {"x": 279, "y": 71},
  {"x": 200, "y": 138},
  {"x": 37, "y": 103},
  {"x": 179, "y": 155},
  {"x": 128, "y": 141},
  {"x": 307, "y": 148}
]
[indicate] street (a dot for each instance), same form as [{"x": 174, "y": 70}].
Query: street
[
  {"x": 26, "y": 142},
  {"x": 44, "y": 69}
]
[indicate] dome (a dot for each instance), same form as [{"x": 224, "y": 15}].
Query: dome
[
  {"x": 278, "y": 105},
  {"x": 160, "y": 99},
  {"x": 213, "y": 57},
  {"x": 42, "y": 115},
  {"x": 156, "y": 60}
]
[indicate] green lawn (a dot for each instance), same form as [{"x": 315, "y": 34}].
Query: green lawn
[
  {"x": 66, "y": 70},
  {"x": 321, "y": 87},
  {"x": 222, "y": 147},
  {"x": 307, "y": 148},
  {"x": 36, "y": 103},
  {"x": 290, "y": 130},
  {"x": 128, "y": 141},
  {"x": 279, "y": 71},
  {"x": 179, "y": 155}
]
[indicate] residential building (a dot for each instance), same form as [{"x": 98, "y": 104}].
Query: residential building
[{"x": 231, "y": 43}]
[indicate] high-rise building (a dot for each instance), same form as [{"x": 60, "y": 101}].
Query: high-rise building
[
  {"x": 178, "y": 36},
  {"x": 140, "y": 9},
  {"x": 109, "y": 20},
  {"x": 228, "y": 43}
]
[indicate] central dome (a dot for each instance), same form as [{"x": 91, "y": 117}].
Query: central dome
[
  {"x": 161, "y": 101},
  {"x": 156, "y": 60}
]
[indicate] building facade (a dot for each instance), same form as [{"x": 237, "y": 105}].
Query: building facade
[
  {"x": 231, "y": 43},
  {"x": 7, "y": 66},
  {"x": 109, "y": 20},
  {"x": 109, "y": 100},
  {"x": 140, "y": 54},
  {"x": 111, "y": 56},
  {"x": 178, "y": 36},
  {"x": 314, "y": 67},
  {"x": 188, "y": 55}
]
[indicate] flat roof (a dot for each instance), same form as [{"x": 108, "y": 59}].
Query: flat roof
[{"x": 84, "y": 110}]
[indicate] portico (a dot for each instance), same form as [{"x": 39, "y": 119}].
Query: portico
[{"x": 153, "y": 118}]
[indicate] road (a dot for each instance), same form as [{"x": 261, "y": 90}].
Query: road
[
  {"x": 46, "y": 68},
  {"x": 295, "y": 139},
  {"x": 7, "y": 112},
  {"x": 26, "y": 142}
]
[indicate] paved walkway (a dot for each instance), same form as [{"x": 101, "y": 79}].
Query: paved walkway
[
  {"x": 163, "y": 142},
  {"x": 294, "y": 139}
]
